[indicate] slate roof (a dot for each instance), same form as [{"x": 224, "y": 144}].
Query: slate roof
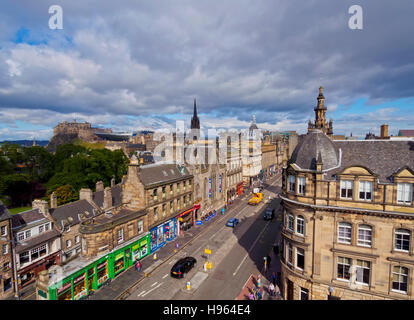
[
  {"x": 382, "y": 157},
  {"x": 98, "y": 196},
  {"x": 310, "y": 146},
  {"x": 35, "y": 241},
  {"x": 4, "y": 213},
  {"x": 22, "y": 219},
  {"x": 156, "y": 173},
  {"x": 72, "y": 210},
  {"x": 406, "y": 133}
]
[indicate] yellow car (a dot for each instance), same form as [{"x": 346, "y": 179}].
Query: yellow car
[{"x": 257, "y": 198}]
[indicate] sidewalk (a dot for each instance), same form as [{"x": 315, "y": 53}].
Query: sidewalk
[{"x": 130, "y": 277}]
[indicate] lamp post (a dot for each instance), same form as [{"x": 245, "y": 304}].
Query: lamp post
[{"x": 16, "y": 292}]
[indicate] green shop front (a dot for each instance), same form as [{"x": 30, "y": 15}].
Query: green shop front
[{"x": 90, "y": 278}]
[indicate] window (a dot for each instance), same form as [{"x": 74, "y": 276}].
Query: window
[
  {"x": 28, "y": 234},
  {"x": 42, "y": 250},
  {"x": 304, "y": 294},
  {"x": 402, "y": 240},
  {"x": 20, "y": 236},
  {"x": 67, "y": 229},
  {"x": 77, "y": 239},
  {"x": 140, "y": 226},
  {"x": 300, "y": 258},
  {"x": 290, "y": 254},
  {"x": 184, "y": 185},
  {"x": 301, "y": 185},
  {"x": 292, "y": 184},
  {"x": 400, "y": 279},
  {"x": 171, "y": 207},
  {"x": 41, "y": 229},
  {"x": 344, "y": 233},
  {"x": 178, "y": 187},
  {"x": 5, "y": 249},
  {"x": 347, "y": 188},
  {"x": 344, "y": 265},
  {"x": 171, "y": 189},
  {"x": 155, "y": 213},
  {"x": 4, "y": 230},
  {"x": 34, "y": 254},
  {"x": 300, "y": 225},
  {"x": 365, "y": 235},
  {"x": 24, "y": 257},
  {"x": 365, "y": 190},
  {"x": 163, "y": 192},
  {"x": 155, "y": 194},
  {"x": 120, "y": 235},
  {"x": 363, "y": 271},
  {"x": 178, "y": 203},
  {"x": 68, "y": 243},
  {"x": 46, "y": 226},
  {"x": 291, "y": 220},
  {"x": 404, "y": 193},
  {"x": 164, "y": 210}
]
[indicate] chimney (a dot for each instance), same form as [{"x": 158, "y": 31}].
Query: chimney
[
  {"x": 384, "y": 131},
  {"x": 112, "y": 182},
  {"x": 85, "y": 194},
  {"x": 42, "y": 205},
  {"x": 53, "y": 200},
  {"x": 99, "y": 186},
  {"x": 107, "y": 198}
]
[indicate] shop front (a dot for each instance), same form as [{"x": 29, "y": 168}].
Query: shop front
[
  {"x": 163, "y": 233},
  {"x": 185, "y": 220},
  {"x": 88, "y": 279},
  {"x": 239, "y": 188}
]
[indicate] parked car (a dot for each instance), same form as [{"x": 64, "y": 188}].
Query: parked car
[
  {"x": 269, "y": 214},
  {"x": 182, "y": 267},
  {"x": 232, "y": 222}
]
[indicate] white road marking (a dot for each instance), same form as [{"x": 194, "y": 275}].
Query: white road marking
[
  {"x": 154, "y": 283},
  {"x": 141, "y": 293},
  {"x": 165, "y": 276},
  {"x": 159, "y": 285},
  {"x": 254, "y": 243}
]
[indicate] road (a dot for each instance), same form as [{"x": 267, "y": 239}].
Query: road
[{"x": 236, "y": 254}]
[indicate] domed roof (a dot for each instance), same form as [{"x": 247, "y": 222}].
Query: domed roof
[{"x": 314, "y": 145}]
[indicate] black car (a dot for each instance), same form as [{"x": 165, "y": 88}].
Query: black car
[
  {"x": 269, "y": 214},
  {"x": 182, "y": 266}
]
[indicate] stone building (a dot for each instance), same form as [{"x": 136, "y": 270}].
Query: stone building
[
  {"x": 7, "y": 277},
  {"x": 348, "y": 219},
  {"x": 251, "y": 154},
  {"x": 37, "y": 242},
  {"x": 269, "y": 160}
]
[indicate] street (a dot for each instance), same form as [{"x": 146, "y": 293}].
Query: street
[{"x": 236, "y": 254}]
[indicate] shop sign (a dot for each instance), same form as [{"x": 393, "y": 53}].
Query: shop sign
[
  {"x": 143, "y": 243},
  {"x": 219, "y": 182},
  {"x": 119, "y": 256},
  {"x": 199, "y": 222},
  {"x": 209, "y": 187},
  {"x": 135, "y": 247}
]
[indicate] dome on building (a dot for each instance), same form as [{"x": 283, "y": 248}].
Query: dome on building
[{"x": 314, "y": 147}]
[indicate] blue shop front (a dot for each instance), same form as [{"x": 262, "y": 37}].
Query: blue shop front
[{"x": 163, "y": 233}]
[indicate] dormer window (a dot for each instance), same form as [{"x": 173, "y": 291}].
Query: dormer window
[
  {"x": 404, "y": 193},
  {"x": 365, "y": 190},
  {"x": 347, "y": 188},
  {"x": 301, "y": 185},
  {"x": 292, "y": 184},
  {"x": 28, "y": 234}
]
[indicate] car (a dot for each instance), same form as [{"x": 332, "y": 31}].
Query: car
[
  {"x": 182, "y": 267},
  {"x": 232, "y": 222},
  {"x": 257, "y": 198},
  {"x": 269, "y": 214}
]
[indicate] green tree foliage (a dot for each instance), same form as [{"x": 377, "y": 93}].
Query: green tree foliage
[{"x": 65, "y": 194}]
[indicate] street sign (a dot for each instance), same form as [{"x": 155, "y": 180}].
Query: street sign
[
  {"x": 208, "y": 251},
  {"x": 199, "y": 222}
]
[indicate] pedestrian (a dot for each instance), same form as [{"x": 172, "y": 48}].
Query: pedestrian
[
  {"x": 138, "y": 265},
  {"x": 274, "y": 279},
  {"x": 258, "y": 281},
  {"x": 259, "y": 295},
  {"x": 271, "y": 289},
  {"x": 251, "y": 294}
]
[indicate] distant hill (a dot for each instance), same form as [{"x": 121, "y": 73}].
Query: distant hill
[{"x": 26, "y": 143}]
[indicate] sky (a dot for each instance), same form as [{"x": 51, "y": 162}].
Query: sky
[{"x": 134, "y": 64}]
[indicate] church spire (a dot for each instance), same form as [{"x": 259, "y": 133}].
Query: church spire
[{"x": 195, "y": 122}]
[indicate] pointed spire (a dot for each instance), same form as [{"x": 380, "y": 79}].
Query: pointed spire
[{"x": 195, "y": 122}]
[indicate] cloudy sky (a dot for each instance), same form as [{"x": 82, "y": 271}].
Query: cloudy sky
[{"x": 138, "y": 64}]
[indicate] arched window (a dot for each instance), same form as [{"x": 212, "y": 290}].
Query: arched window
[
  {"x": 402, "y": 240},
  {"x": 291, "y": 221},
  {"x": 345, "y": 232},
  {"x": 364, "y": 235},
  {"x": 300, "y": 225}
]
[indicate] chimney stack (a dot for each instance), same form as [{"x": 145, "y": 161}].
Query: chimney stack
[
  {"x": 42, "y": 205},
  {"x": 107, "y": 198},
  {"x": 85, "y": 194},
  {"x": 99, "y": 186},
  {"x": 384, "y": 131},
  {"x": 53, "y": 200}
]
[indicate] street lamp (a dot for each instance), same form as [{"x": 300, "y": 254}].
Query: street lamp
[{"x": 17, "y": 292}]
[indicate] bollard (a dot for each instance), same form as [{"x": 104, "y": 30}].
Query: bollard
[
  {"x": 188, "y": 285},
  {"x": 146, "y": 274},
  {"x": 155, "y": 256}
]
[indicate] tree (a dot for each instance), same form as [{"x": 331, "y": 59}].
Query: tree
[
  {"x": 18, "y": 187},
  {"x": 65, "y": 194}
]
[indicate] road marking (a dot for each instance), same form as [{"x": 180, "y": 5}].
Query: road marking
[
  {"x": 165, "y": 276},
  {"x": 141, "y": 293},
  {"x": 254, "y": 243},
  {"x": 159, "y": 285},
  {"x": 154, "y": 283}
]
